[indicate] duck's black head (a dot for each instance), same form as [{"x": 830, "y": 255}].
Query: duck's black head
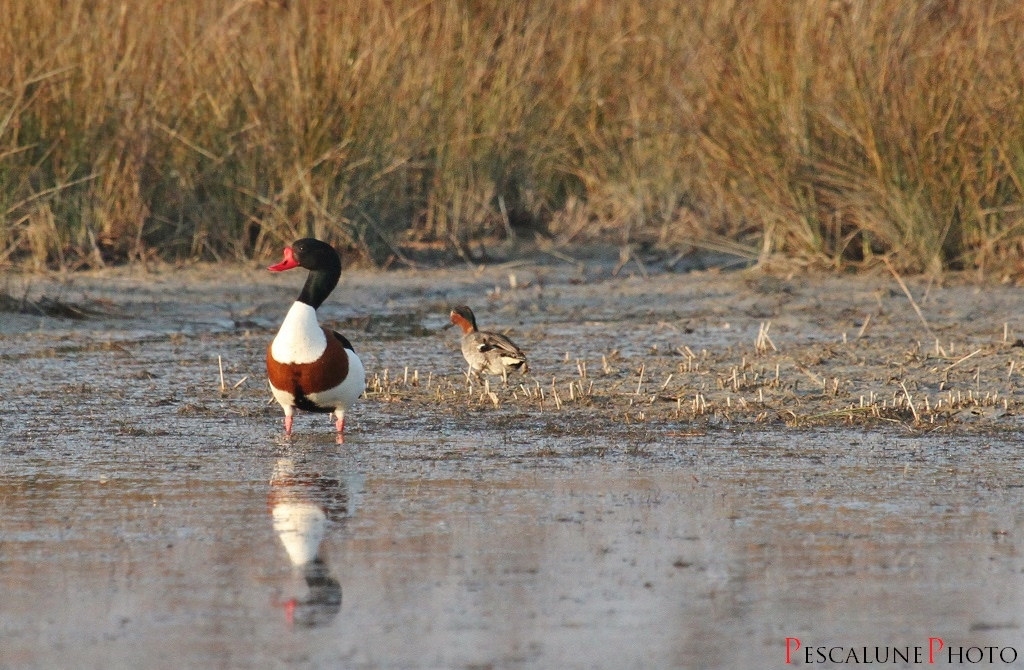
[{"x": 323, "y": 263}]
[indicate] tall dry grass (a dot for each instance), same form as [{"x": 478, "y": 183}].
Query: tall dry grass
[{"x": 825, "y": 132}]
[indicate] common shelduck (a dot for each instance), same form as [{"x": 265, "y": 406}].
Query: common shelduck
[
  {"x": 488, "y": 352},
  {"x": 310, "y": 367}
]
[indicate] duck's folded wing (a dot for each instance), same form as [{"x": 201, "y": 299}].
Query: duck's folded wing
[
  {"x": 500, "y": 344},
  {"x": 344, "y": 340}
]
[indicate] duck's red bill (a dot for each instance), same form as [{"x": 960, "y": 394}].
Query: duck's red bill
[{"x": 288, "y": 263}]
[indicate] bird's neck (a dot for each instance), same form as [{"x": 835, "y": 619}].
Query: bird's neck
[{"x": 318, "y": 286}]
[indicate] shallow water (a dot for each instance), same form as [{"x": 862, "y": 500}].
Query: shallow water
[
  {"x": 152, "y": 520},
  {"x": 458, "y": 549}
]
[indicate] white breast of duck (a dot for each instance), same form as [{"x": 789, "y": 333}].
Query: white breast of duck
[{"x": 300, "y": 339}]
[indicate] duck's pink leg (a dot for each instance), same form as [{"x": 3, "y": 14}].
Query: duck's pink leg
[
  {"x": 288, "y": 424},
  {"x": 339, "y": 426}
]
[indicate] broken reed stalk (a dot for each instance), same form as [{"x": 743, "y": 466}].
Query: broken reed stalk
[
  {"x": 864, "y": 326},
  {"x": 970, "y": 355},
  {"x": 906, "y": 394},
  {"x": 913, "y": 303},
  {"x": 763, "y": 341},
  {"x": 489, "y": 394}
]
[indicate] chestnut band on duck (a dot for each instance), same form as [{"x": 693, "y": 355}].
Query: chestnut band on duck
[
  {"x": 319, "y": 375},
  {"x": 312, "y": 368}
]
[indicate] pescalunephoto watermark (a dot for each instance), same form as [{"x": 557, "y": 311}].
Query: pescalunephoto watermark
[{"x": 935, "y": 652}]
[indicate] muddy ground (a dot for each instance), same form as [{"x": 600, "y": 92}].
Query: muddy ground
[{"x": 702, "y": 462}]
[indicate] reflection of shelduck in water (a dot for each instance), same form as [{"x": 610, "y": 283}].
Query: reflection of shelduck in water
[
  {"x": 488, "y": 352},
  {"x": 302, "y": 505},
  {"x": 310, "y": 367}
]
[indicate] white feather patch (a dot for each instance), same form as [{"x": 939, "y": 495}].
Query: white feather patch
[
  {"x": 285, "y": 399},
  {"x": 342, "y": 397},
  {"x": 300, "y": 339}
]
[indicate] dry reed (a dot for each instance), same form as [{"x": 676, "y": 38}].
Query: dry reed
[{"x": 824, "y": 132}]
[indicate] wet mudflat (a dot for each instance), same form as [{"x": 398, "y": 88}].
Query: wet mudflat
[{"x": 699, "y": 466}]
